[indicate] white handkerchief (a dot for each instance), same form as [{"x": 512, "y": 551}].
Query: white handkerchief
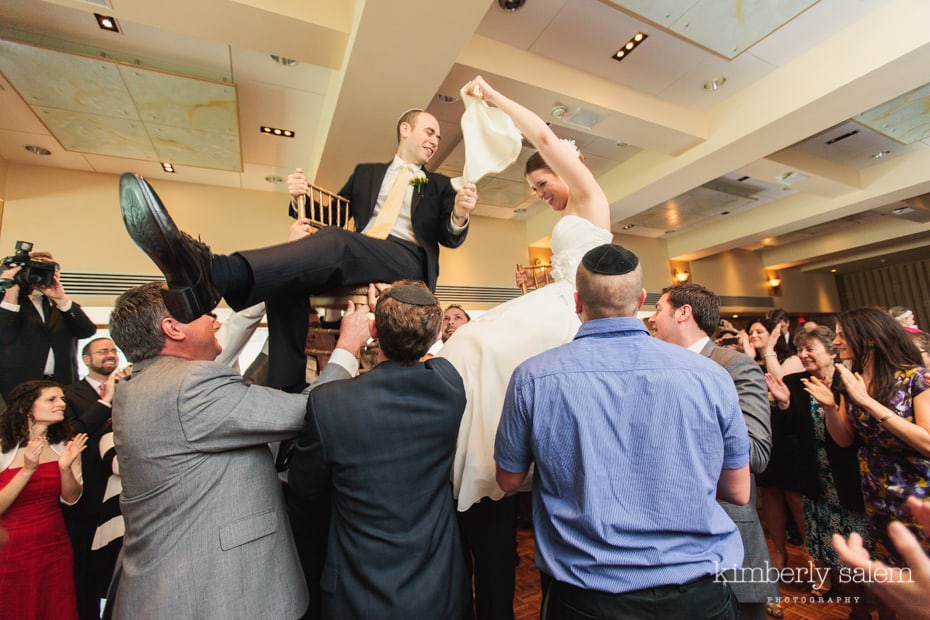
[{"x": 492, "y": 141}]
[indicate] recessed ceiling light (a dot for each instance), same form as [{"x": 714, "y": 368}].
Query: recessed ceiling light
[
  {"x": 37, "y": 150},
  {"x": 791, "y": 177},
  {"x": 446, "y": 98},
  {"x": 903, "y": 210},
  {"x": 715, "y": 83},
  {"x": 274, "y": 180},
  {"x": 833, "y": 270},
  {"x": 284, "y": 62},
  {"x": 167, "y": 166},
  {"x": 106, "y": 22},
  {"x": 628, "y": 226},
  {"x": 273, "y": 131},
  {"x": 880, "y": 154},
  {"x": 848, "y": 134},
  {"x": 558, "y": 111},
  {"x": 630, "y": 45},
  {"x": 510, "y": 5}
]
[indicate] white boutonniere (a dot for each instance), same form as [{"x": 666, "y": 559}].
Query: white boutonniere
[{"x": 418, "y": 181}]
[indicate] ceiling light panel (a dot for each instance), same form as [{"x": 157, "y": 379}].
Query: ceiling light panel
[
  {"x": 99, "y": 106},
  {"x": 857, "y": 148},
  {"x": 905, "y": 119},
  {"x": 726, "y": 28}
]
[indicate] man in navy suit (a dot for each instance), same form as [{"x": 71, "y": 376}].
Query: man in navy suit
[
  {"x": 89, "y": 401},
  {"x": 382, "y": 445},
  {"x": 432, "y": 213}
]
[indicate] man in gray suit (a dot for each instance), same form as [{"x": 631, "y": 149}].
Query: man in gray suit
[
  {"x": 207, "y": 534},
  {"x": 686, "y": 315}
]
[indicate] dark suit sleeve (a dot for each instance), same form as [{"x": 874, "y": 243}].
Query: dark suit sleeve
[
  {"x": 308, "y": 472},
  {"x": 358, "y": 190},
  {"x": 10, "y": 324},
  {"x": 447, "y": 237},
  {"x": 79, "y": 324},
  {"x": 91, "y": 419},
  {"x": 307, "y": 455},
  {"x": 754, "y": 403}
]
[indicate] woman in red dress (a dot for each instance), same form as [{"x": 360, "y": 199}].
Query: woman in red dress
[{"x": 38, "y": 466}]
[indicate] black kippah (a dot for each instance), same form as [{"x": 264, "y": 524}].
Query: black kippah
[
  {"x": 610, "y": 260},
  {"x": 409, "y": 294}
]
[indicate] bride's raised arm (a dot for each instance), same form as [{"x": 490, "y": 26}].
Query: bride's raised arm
[{"x": 588, "y": 198}]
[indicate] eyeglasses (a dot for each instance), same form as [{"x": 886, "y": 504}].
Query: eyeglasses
[{"x": 104, "y": 351}]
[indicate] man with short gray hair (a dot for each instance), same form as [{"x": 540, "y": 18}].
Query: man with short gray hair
[{"x": 207, "y": 534}]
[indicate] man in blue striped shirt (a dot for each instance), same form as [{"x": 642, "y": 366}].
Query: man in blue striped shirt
[{"x": 633, "y": 440}]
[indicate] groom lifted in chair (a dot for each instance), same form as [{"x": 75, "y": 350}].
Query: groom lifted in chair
[{"x": 399, "y": 234}]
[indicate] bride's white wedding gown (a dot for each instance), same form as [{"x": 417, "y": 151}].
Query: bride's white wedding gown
[{"x": 486, "y": 351}]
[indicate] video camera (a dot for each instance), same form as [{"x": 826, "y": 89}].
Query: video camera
[{"x": 33, "y": 272}]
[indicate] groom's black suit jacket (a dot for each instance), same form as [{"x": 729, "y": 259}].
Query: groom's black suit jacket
[
  {"x": 431, "y": 211},
  {"x": 332, "y": 258}
]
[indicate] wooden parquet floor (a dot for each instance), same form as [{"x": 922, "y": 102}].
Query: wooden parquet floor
[{"x": 527, "y": 597}]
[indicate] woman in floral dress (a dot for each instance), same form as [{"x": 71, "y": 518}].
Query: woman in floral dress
[{"x": 886, "y": 405}]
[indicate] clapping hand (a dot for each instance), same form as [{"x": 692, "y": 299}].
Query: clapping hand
[
  {"x": 32, "y": 453},
  {"x": 820, "y": 391},
  {"x": 856, "y": 390},
  {"x": 778, "y": 388},
  {"x": 72, "y": 451},
  {"x": 745, "y": 345},
  {"x": 113, "y": 380}
]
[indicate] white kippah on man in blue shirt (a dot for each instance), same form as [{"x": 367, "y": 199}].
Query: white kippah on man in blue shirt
[{"x": 633, "y": 441}]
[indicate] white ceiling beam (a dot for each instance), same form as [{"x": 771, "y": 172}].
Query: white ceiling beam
[
  {"x": 791, "y": 104},
  {"x": 892, "y": 181}
]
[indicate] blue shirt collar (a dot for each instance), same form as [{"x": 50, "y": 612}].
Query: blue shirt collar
[{"x": 621, "y": 326}]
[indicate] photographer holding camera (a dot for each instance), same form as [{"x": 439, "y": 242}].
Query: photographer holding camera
[{"x": 39, "y": 324}]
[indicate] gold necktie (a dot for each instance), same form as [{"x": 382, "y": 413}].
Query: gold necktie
[{"x": 387, "y": 216}]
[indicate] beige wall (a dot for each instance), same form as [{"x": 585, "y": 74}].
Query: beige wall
[
  {"x": 76, "y": 216},
  {"x": 4, "y": 166},
  {"x": 488, "y": 257},
  {"x": 3, "y": 171},
  {"x": 736, "y": 273},
  {"x": 654, "y": 258},
  {"x": 741, "y": 273},
  {"x": 809, "y": 293}
]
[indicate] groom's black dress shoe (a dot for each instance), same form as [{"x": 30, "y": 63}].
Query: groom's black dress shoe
[{"x": 184, "y": 261}]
